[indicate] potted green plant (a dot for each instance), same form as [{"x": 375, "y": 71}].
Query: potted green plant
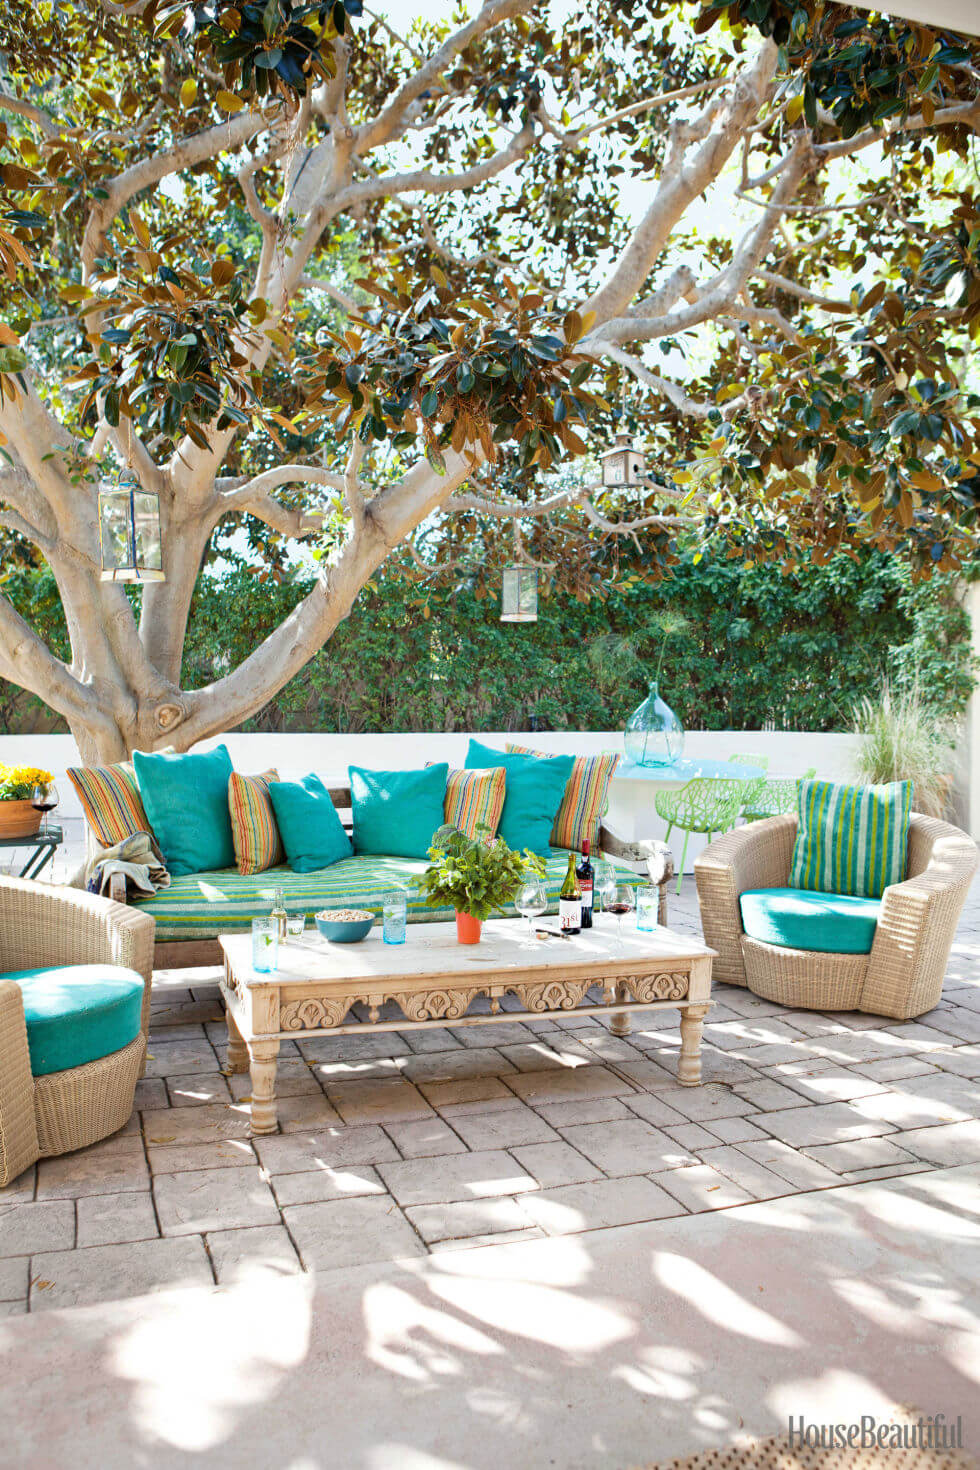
[
  {"x": 18, "y": 818},
  {"x": 475, "y": 878}
]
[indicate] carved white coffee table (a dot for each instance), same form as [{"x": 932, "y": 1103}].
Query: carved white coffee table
[{"x": 433, "y": 979}]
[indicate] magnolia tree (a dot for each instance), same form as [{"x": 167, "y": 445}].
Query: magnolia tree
[{"x": 313, "y": 275}]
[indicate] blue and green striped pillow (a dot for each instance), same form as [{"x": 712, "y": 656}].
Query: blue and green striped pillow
[{"x": 851, "y": 839}]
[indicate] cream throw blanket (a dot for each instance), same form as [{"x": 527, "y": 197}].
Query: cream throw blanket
[{"x": 137, "y": 857}]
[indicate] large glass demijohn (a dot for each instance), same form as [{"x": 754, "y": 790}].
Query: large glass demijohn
[{"x": 653, "y": 736}]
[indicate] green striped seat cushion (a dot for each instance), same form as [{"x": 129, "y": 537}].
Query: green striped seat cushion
[
  {"x": 851, "y": 839},
  {"x": 203, "y": 905}
]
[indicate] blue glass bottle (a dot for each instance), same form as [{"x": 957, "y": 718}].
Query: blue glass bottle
[{"x": 653, "y": 736}]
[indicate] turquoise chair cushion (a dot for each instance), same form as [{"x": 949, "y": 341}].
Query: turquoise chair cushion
[
  {"x": 535, "y": 789},
  {"x": 78, "y": 1013},
  {"x": 396, "y": 812},
  {"x": 827, "y": 923},
  {"x": 311, "y": 831},
  {"x": 186, "y": 802}
]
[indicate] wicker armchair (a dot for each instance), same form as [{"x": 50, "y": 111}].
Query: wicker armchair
[
  {"x": 53, "y": 1114},
  {"x": 903, "y": 974}
]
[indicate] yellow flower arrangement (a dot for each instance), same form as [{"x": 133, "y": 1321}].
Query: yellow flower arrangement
[{"x": 17, "y": 782}]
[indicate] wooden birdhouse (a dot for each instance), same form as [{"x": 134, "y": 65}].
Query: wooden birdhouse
[{"x": 622, "y": 465}]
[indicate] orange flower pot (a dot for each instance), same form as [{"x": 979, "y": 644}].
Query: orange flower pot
[
  {"x": 468, "y": 928},
  {"x": 19, "y": 819}
]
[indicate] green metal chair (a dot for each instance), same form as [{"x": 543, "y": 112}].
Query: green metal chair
[
  {"x": 762, "y": 761},
  {"x": 703, "y": 805},
  {"x": 774, "y": 798}
]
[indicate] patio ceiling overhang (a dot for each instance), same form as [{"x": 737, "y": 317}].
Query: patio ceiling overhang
[{"x": 958, "y": 15}]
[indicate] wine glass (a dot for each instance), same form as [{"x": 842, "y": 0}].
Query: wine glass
[
  {"x": 44, "y": 798},
  {"x": 621, "y": 900},
  {"x": 531, "y": 902},
  {"x": 605, "y": 886}
]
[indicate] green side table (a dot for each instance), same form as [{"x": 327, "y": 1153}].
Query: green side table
[{"x": 43, "y": 846}]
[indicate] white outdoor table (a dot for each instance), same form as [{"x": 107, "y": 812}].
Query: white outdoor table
[
  {"x": 632, "y": 790},
  {"x": 433, "y": 980}
]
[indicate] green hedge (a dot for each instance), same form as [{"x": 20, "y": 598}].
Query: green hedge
[{"x": 764, "y": 650}]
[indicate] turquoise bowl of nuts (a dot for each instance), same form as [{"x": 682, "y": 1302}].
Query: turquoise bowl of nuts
[{"x": 344, "y": 926}]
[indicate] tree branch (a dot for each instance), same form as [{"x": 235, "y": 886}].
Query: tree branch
[
  {"x": 314, "y": 283},
  {"x": 792, "y": 288},
  {"x": 30, "y": 110},
  {"x": 682, "y": 181},
  {"x": 224, "y": 137},
  {"x": 392, "y": 515},
  {"x": 428, "y": 78}
]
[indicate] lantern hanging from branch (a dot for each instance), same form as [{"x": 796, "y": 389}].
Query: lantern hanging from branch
[
  {"x": 519, "y": 595},
  {"x": 129, "y": 533},
  {"x": 622, "y": 465}
]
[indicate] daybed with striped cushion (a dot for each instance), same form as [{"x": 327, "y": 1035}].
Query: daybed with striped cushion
[
  {"x": 202, "y": 905},
  {"x": 196, "y": 908}
]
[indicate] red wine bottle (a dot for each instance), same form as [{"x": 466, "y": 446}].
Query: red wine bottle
[{"x": 586, "y": 882}]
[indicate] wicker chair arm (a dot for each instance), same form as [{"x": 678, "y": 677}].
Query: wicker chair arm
[
  {"x": 18, "y": 1123},
  {"x": 917, "y": 921},
  {"x": 754, "y": 856},
  {"x": 41, "y": 924}
]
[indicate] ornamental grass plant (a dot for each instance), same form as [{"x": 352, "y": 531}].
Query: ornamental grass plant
[{"x": 901, "y": 739}]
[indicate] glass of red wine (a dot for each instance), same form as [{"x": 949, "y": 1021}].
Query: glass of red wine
[
  {"x": 44, "y": 798},
  {"x": 620, "y": 899}
]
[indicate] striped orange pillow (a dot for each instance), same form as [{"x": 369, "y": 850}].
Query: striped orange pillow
[
  {"x": 585, "y": 801},
  {"x": 475, "y": 801},
  {"x": 253, "y": 823},
  {"x": 110, "y": 798}
]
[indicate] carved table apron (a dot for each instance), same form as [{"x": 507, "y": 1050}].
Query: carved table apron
[{"x": 432, "y": 980}]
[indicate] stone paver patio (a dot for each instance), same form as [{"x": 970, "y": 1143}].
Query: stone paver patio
[{"x": 398, "y": 1146}]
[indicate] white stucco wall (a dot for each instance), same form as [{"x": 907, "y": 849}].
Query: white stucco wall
[{"x": 631, "y": 809}]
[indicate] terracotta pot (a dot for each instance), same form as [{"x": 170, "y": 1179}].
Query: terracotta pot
[
  {"x": 468, "y": 928},
  {"x": 18, "y": 818}
]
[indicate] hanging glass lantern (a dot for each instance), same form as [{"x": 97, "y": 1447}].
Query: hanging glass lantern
[
  {"x": 622, "y": 465},
  {"x": 519, "y": 595},
  {"x": 129, "y": 533}
]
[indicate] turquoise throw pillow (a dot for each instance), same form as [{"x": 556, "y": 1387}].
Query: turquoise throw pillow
[
  {"x": 851, "y": 839},
  {"x": 311, "y": 831},
  {"x": 535, "y": 788},
  {"x": 396, "y": 812},
  {"x": 186, "y": 801}
]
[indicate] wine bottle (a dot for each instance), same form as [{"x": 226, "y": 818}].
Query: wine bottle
[
  {"x": 279, "y": 914},
  {"x": 570, "y": 901},
  {"x": 586, "y": 882}
]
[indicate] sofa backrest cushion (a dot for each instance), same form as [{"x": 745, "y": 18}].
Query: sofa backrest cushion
[
  {"x": 110, "y": 799},
  {"x": 851, "y": 839},
  {"x": 474, "y": 801},
  {"x": 585, "y": 800},
  {"x": 535, "y": 789},
  {"x": 311, "y": 830},
  {"x": 253, "y": 823},
  {"x": 396, "y": 812},
  {"x": 186, "y": 800}
]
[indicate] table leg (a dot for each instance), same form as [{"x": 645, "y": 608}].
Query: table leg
[
  {"x": 263, "y": 1056},
  {"x": 37, "y": 862},
  {"x": 689, "y": 1062},
  {"x": 620, "y": 1024},
  {"x": 237, "y": 1050}
]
